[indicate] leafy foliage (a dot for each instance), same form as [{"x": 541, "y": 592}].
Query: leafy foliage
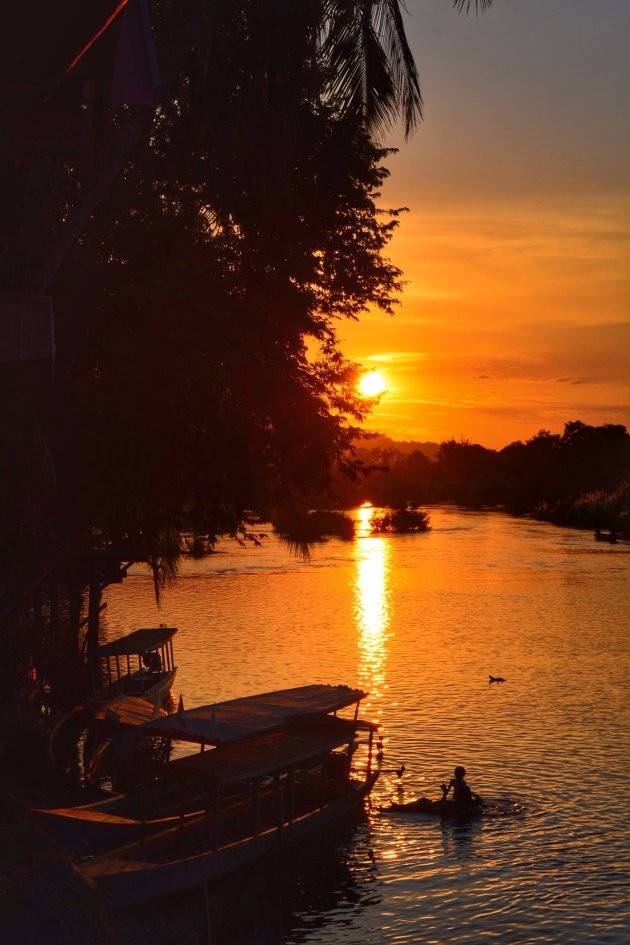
[
  {"x": 401, "y": 521},
  {"x": 555, "y": 469},
  {"x": 598, "y": 509},
  {"x": 197, "y": 341}
]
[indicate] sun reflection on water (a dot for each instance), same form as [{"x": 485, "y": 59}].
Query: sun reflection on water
[{"x": 372, "y": 609}]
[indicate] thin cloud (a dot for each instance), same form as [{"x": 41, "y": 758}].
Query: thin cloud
[{"x": 398, "y": 357}]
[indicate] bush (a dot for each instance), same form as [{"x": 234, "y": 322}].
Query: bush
[
  {"x": 597, "y": 509},
  {"x": 401, "y": 521}
]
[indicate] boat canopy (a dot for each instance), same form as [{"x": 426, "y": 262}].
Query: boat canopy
[
  {"x": 235, "y": 719},
  {"x": 266, "y": 754},
  {"x": 140, "y": 641}
]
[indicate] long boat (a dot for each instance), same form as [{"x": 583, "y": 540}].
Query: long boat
[
  {"x": 138, "y": 664},
  {"x": 160, "y": 802},
  {"x": 263, "y": 793}
]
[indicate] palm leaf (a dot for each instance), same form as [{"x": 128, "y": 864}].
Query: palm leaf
[
  {"x": 482, "y": 5},
  {"x": 370, "y": 68}
]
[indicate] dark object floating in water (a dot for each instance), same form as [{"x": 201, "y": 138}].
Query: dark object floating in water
[
  {"x": 610, "y": 537},
  {"x": 400, "y": 771},
  {"x": 496, "y": 679},
  {"x": 438, "y": 808}
]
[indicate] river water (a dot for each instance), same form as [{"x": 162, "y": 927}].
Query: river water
[{"x": 420, "y": 622}]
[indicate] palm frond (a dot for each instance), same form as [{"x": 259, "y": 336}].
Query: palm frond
[
  {"x": 371, "y": 71},
  {"x": 480, "y": 5},
  {"x": 390, "y": 27},
  {"x": 164, "y": 550}
]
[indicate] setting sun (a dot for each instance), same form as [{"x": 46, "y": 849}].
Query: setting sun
[{"x": 371, "y": 384}]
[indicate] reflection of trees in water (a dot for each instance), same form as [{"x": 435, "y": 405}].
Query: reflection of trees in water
[{"x": 278, "y": 901}]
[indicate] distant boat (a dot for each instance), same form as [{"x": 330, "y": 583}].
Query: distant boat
[
  {"x": 610, "y": 537},
  {"x": 160, "y": 802}
]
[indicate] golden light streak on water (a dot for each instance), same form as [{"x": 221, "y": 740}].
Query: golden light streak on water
[
  {"x": 364, "y": 520},
  {"x": 372, "y": 613}
]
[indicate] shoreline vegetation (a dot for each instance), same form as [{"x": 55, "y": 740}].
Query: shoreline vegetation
[{"x": 580, "y": 478}]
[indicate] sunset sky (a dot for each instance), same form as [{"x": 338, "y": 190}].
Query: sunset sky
[{"x": 515, "y": 315}]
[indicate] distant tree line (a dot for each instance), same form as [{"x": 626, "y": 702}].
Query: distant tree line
[{"x": 580, "y": 476}]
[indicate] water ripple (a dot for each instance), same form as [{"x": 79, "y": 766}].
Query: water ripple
[{"x": 422, "y": 623}]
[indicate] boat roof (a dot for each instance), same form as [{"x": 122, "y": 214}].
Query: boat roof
[
  {"x": 265, "y": 754},
  {"x": 129, "y": 710},
  {"x": 235, "y": 719},
  {"x": 140, "y": 641}
]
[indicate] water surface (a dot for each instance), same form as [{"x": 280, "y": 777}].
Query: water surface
[{"x": 420, "y": 622}]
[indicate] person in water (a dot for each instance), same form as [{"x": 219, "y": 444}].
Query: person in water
[
  {"x": 462, "y": 795},
  {"x": 463, "y": 800}
]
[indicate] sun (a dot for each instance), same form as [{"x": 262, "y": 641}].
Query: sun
[{"x": 371, "y": 384}]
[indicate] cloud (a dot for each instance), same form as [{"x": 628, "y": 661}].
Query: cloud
[{"x": 398, "y": 357}]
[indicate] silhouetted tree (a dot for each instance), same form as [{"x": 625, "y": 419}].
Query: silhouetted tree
[
  {"x": 197, "y": 341},
  {"x": 593, "y": 457}
]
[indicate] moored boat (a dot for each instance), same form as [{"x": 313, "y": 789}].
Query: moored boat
[
  {"x": 139, "y": 664},
  {"x": 159, "y": 802},
  {"x": 263, "y": 793}
]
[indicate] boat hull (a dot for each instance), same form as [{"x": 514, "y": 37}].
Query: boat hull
[
  {"x": 155, "y": 693},
  {"x": 92, "y": 832},
  {"x": 124, "y": 881}
]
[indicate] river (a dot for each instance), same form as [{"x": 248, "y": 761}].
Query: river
[{"x": 420, "y": 622}]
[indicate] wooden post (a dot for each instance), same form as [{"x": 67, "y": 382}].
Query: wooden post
[
  {"x": 324, "y": 779},
  {"x": 74, "y": 606},
  {"x": 207, "y": 910},
  {"x": 94, "y": 610},
  {"x": 291, "y": 794},
  {"x": 256, "y": 807},
  {"x": 217, "y": 814},
  {"x": 54, "y": 606}
]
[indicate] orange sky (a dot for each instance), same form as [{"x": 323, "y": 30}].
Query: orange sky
[{"x": 516, "y": 248}]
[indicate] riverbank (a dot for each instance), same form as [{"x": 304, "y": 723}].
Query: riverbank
[{"x": 44, "y": 897}]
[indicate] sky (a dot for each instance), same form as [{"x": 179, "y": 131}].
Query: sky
[{"x": 515, "y": 316}]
